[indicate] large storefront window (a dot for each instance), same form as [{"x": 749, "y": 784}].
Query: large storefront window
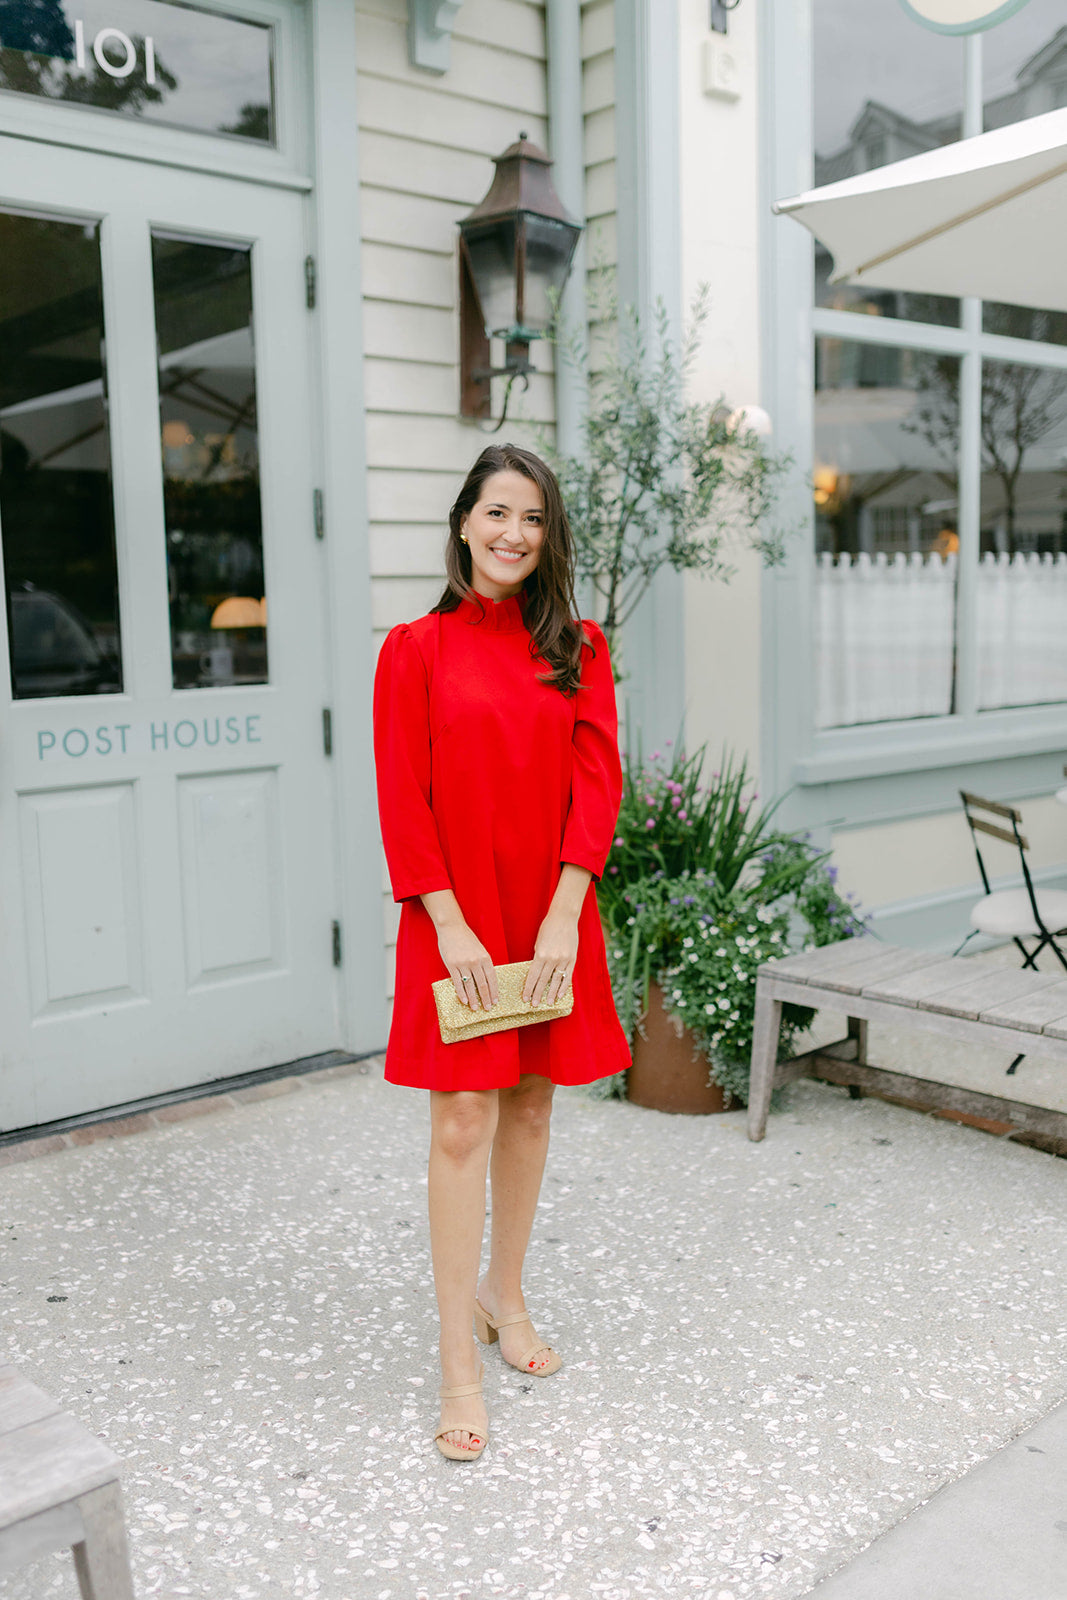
[{"x": 920, "y": 570}]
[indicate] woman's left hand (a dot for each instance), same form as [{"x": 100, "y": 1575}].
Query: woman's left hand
[{"x": 555, "y": 952}]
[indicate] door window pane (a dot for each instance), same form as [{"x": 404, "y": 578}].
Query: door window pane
[
  {"x": 885, "y": 88},
  {"x": 56, "y": 506},
  {"x": 1022, "y": 577},
  {"x": 207, "y": 398},
  {"x": 143, "y": 58},
  {"x": 886, "y": 452}
]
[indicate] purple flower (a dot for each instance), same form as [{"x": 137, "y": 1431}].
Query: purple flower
[
  {"x": 690, "y": 900},
  {"x": 620, "y": 840},
  {"x": 683, "y": 816},
  {"x": 655, "y": 755},
  {"x": 651, "y": 823},
  {"x": 650, "y": 800},
  {"x": 613, "y": 869}
]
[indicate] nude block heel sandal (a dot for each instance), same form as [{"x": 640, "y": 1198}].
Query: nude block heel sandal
[
  {"x": 454, "y": 1452},
  {"x": 488, "y": 1332}
]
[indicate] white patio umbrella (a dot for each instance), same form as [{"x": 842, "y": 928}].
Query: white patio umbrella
[{"x": 986, "y": 216}]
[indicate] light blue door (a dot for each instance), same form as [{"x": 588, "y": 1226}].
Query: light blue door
[{"x": 165, "y": 819}]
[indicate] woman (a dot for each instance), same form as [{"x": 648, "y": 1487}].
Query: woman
[{"x": 498, "y": 785}]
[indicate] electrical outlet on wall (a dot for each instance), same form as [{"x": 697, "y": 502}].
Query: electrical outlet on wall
[{"x": 722, "y": 70}]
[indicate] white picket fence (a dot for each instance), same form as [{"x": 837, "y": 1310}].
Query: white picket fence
[{"x": 884, "y": 635}]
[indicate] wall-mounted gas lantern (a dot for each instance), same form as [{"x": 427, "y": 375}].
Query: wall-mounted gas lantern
[{"x": 515, "y": 249}]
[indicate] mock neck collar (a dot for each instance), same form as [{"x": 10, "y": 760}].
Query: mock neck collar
[{"x": 498, "y": 616}]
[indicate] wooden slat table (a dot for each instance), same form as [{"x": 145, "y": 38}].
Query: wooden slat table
[
  {"x": 1009, "y": 1008},
  {"x": 59, "y": 1487}
]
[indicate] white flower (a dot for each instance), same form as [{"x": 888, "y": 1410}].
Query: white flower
[
  {"x": 629, "y": 922},
  {"x": 686, "y": 943},
  {"x": 709, "y": 1009},
  {"x": 723, "y": 1004},
  {"x": 694, "y": 957},
  {"x": 720, "y": 952}
]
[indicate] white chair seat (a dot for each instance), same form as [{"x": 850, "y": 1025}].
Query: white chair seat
[{"x": 1008, "y": 912}]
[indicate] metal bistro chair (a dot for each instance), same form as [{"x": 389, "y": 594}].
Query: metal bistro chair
[{"x": 1017, "y": 914}]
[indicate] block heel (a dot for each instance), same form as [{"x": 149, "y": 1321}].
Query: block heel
[{"x": 488, "y": 1331}]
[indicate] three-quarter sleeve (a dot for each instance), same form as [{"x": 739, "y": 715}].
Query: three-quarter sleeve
[
  {"x": 402, "y": 761},
  {"x": 596, "y": 772}
]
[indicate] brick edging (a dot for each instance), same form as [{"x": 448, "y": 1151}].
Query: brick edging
[{"x": 33, "y": 1145}]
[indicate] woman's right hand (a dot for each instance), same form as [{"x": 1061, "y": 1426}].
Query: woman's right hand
[
  {"x": 469, "y": 963},
  {"x": 469, "y": 966}
]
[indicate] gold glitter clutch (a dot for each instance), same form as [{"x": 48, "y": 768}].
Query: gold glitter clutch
[{"x": 458, "y": 1021}]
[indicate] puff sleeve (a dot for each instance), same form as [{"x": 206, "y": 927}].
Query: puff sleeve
[
  {"x": 402, "y": 762},
  {"x": 596, "y": 773}
]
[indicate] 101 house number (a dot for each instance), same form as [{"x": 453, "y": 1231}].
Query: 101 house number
[{"x": 115, "y": 37}]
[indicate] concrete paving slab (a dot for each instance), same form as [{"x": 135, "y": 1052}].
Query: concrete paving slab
[
  {"x": 1000, "y": 1532},
  {"x": 772, "y": 1353}
]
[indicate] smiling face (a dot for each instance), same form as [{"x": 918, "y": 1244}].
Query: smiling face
[{"x": 505, "y": 530}]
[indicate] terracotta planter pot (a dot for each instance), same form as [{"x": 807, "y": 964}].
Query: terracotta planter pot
[{"x": 668, "y": 1073}]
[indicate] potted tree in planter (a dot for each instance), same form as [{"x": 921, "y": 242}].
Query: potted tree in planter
[
  {"x": 700, "y": 890},
  {"x": 660, "y": 481}
]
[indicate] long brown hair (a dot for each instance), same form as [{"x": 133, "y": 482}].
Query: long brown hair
[{"x": 549, "y": 609}]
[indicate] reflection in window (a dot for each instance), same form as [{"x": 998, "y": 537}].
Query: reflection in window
[
  {"x": 886, "y": 501},
  {"x": 143, "y": 58},
  {"x": 884, "y": 89},
  {"x": 1024, "y": 64},
  {"x": 56, "y": 506},
  {"x": 207, "y": 397},
  {"x": 1024, "y": 322},
  {"x": 1022, "y": 577}
]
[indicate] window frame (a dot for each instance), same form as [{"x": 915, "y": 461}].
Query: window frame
[
  {"x": 794, "y": 750},
  {"x": 286, "y": 163}
]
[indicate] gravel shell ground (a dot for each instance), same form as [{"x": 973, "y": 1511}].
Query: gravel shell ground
[{"x": 771, "y": 1352}]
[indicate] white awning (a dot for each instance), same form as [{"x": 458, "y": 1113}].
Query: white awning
[{"x": 986, "y": 216}]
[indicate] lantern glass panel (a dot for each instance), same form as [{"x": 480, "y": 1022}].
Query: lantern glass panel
[
  {"x": 549, "y": 248},
  {"x": 491, "y": 250}
]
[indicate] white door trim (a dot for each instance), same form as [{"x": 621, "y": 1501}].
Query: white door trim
[{"x": 339, "y": 315}]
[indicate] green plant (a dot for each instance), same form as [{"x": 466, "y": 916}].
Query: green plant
[
  {"x": 660, "y": 480},
  {"x": 699, "y": 901},
  {"x": 673, "y": 818}
]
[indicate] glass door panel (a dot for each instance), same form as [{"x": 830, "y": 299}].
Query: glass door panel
[
  {"x": 210, "y": 445},
  {"x": 57, "y": 516}
]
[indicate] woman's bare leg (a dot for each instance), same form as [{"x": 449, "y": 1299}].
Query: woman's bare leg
[
  {"x": 462, "y": 1124},
  {"x": 516, "y": 1168}
]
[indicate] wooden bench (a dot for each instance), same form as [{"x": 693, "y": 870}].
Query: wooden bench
[
  {"x": 59, "y": 1487},
  {"x": 1009, "y": 1008}
]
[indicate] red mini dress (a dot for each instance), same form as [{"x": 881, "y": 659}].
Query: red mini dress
[{"x": 488, "y": 781}]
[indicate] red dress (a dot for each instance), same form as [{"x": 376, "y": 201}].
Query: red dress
[{"x": 487, "y": 782}]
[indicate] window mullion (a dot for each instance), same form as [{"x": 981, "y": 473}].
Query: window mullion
[{"x": 969, "y": 516}]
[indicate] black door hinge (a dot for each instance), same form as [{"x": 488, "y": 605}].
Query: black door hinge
[
  {"x": 310, "y": 281},
  {"x": 320, "y": 514},
  {"x": 327, "y": 730},
  {"x": 336, "y": 944}
]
